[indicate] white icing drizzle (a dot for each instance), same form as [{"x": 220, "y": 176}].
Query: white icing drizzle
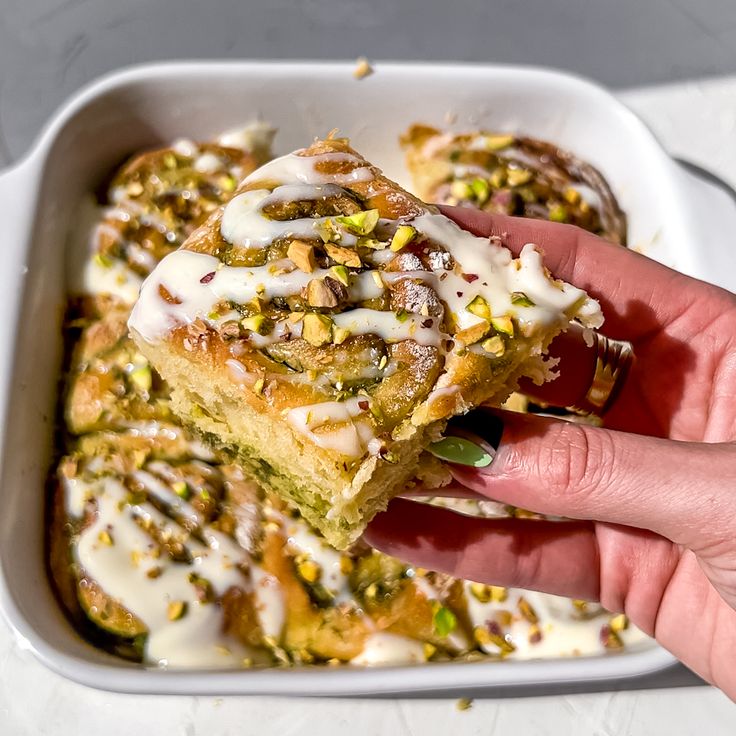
[
  {"x": 384, "y": 648},
  {"x": 478, "y": 267},
  {"x": 207, "y": 163},
  {"x": 302, "y": 540},
  {"x": 335, "y": 425},
  {"x": 296, "y": 168},
  {"x": 563, "y": 635},
  {"x": 114, "y": 278},
  {"x": 121, "y": 568},
  {"x": 270, "y": 602},
  {"x": 256, "y": 137}
]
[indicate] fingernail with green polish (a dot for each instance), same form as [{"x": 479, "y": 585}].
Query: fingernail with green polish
[
  {"x": 462, "y": 452},
  {"x": 471, "y": 440}
]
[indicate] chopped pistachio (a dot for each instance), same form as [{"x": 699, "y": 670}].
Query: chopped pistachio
[
  {"x": 497, "y": 142},
  {"x": 503, "y": 325},
  {"x": 481, "y": 190},
  {"x": 521, "y": 299},
  {"x": 558, "y": 213},
  {"x": 479, "y": 307},
  {"x": 326, "y": 230},
  {"x": 485, "y": 638},
  {"x": 461, "y": 189},
  {"x": 344, "y": 256},
  {"x": 169, "y": 161},
  {"x": 572, "y": 196},
  {"x": 227, "y": 183},
  {"x": 429, "y": 650},
  {"x": 464, "y": 704},
  {"x": 494, "y": 345},
  {"x": 474, "y": 333},
  {"x": 443, "y": 620},
  {"x": 181, "y": 489},
  {"x": 105, "y": 537},
  {"x": 141, "y": 377},
  {"x": 302, "y": 255},
  {"x": 319, "y": 294},
  {"x": 102, "y": 260},
  {"x": 402, "y": 237},
  {"x": 363, "y": 68},
  {"x": 361, "y": 223},
  {"x": 258, "y": 386},
  {"x": 610, "y": 639},
  {"x": 619, "y": 623},
  {"x": 295, "y": 317},
  {"x": 481, "y": 592},
  {"x": 346, "y": 565},
  {"x": 203, "y": 588},
  {"x": 256, "y": 323},
  {"x": 176, "y": 610},
  {"x": 527, "y": 611},
  {"x": 309, "y": 571},
  {"x": 341, "y": 274},
  {"x": 517, "y": 177},
  {"x": 317, "y": 329},
  {"x": 340, "y": 334},
  {"x": 498, "y": 177},
  {"x": 372, "y": 243},
  {"x": 401, "y": 315}
]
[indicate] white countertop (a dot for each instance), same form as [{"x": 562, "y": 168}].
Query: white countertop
[{"x": 696, "y": 122}]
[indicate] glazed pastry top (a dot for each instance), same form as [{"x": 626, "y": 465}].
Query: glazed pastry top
[{"x": 318, "y": 255}]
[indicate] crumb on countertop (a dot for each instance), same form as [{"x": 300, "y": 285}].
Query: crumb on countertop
[{"x": 363, "y": 68}]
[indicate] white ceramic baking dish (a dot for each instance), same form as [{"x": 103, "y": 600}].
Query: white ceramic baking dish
[{"x": 144, "y": 106}]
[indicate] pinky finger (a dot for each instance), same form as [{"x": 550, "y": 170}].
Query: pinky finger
[{"x": 554, "y": 557}]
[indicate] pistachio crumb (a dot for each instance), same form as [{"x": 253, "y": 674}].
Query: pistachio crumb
[
  {"x": 361, "y": 223},
  {"x": 480, "y": 308},
  {"x": 317, "y": 329},
  {"x": 302, "y": 255},
  {"x": 503, "y": 325},
  {"x": 106, "y": 538},
  {"x": 402, "y": 237},
  {"x": 343, "y": 256},
  {"x": 176, "y": 610},
  {"x": 363, "y": 68}
]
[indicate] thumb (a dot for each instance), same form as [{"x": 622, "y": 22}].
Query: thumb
[{"x": 559, "y": 468}]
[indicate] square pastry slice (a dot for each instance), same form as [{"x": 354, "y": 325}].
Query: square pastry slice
[{"x": 325, "y": 324}]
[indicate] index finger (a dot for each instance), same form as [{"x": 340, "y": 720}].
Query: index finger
[{"x": 638, "y": 295}]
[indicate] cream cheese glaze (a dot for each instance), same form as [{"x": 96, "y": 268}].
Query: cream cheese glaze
[
  {"x": 116, "y": 552},
  {"x": 481, "y": 267}
]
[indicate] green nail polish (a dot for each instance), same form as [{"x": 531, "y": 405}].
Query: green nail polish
[{"x": 461, "y": 451}]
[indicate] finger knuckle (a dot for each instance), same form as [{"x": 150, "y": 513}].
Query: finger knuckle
[{"x": 575, "y": 460}]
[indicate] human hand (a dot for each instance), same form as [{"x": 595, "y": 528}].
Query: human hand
[{"x": 652, "y": 496}]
